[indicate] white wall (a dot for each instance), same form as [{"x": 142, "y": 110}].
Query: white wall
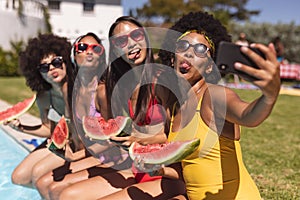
[
  {"x": 72, "y": 22},
  {"x": 14, "y": 29},
  {"x": 69, "y": 22}
]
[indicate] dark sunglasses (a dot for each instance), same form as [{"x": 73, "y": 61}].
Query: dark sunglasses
[
  {"x": 199, "y": 48},
  {"x": 56, "y": 62},
  {"x": 96, "y": 48},
  {"x": 122, "y": 41}
]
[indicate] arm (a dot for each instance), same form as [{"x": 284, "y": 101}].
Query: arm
[
  {"x": 40, "y": 130},
  {"x": 173, "y": 171},
  {"x": 147, "y": 135},
  {"x": 254, "y": 113},
  {"x": 101, "y": 101}
]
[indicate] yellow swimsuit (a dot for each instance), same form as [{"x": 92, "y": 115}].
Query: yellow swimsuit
[{"x": 215, "y": 170}]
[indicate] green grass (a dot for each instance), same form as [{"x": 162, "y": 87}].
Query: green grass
[
  {"x": 14, "y": 90},
  {"x": 271, "y": 151}
]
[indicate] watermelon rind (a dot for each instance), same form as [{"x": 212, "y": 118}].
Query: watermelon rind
[
  {"x": 124, "y": 127},
  {"x": 54, "y": 145},
  {"x": 166, "y": 155},
  {"x": 30, "y": 101}
]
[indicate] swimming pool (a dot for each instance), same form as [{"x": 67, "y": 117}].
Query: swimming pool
[{"x": 11, "y": 154}]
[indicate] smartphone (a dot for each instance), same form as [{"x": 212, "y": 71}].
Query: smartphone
[{"x": 229, "y": 53}]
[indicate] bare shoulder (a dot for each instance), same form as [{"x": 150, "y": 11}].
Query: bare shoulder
[{"x": 220, "y": 95}]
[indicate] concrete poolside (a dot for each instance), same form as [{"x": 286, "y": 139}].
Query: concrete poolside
[{"x": 19, "y": 136}]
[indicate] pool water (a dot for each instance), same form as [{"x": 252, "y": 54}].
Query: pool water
[{"x": 11, "y": 154}]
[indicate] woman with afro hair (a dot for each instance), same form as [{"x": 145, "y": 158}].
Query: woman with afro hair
[
  {"x": 210, "y": 112},
  {"x": 47, "y": 68}
]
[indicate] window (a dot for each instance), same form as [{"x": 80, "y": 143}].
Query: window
[
  {"x": 54, "y": 4},
  {"x": 88, "y": 5}
]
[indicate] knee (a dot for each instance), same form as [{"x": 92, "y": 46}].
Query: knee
[
  {"x": 69, "y": 193},
  {"x": 37, "y": 172},
  {"x": 20, "y": 176},
  {"x": 55, "y": 189},
  {"x": 42, "y": 185}
]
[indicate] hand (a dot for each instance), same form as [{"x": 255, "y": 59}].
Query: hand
[
  {"x": 151, "y": 169},
  {"x": 269, "y": 73},
  {"x": 123, "y": 141},
  {"x": 15, "y": 124}
]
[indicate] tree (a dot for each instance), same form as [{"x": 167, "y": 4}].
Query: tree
[
  {"x": 168, "y": 11},
  {"x": 265, "y": 32},
  {"x": 165, "y": 11}
]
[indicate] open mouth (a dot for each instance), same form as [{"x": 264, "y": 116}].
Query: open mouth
[
  {"x": 134, "y": 54},
  {"x": 185, "y": 66}
]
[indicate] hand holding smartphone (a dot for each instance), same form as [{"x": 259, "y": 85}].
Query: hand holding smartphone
[{"x": 229, "y": 53}]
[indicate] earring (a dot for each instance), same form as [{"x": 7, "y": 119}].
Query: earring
[
  {"x": 212, "y": 75},
  {"x": 208, "y": 70}
]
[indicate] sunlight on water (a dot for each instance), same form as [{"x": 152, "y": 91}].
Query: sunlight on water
[{"x": 11, "y": 154}]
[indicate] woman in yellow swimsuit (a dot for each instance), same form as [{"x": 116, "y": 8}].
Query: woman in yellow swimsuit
[
  {"x": 216, "y": 169},
  {"x": 212, "y": 112}
]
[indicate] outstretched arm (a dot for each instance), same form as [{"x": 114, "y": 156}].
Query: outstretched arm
[{"x": 268, "y": 80}]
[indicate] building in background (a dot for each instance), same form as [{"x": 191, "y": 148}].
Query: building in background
[
  {"x": 19, "y": 25},
  {"x": 68, "y": 18}
]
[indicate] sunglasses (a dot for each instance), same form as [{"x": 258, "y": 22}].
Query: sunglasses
[
  {"x": 96, "y": 48},
  {"x": 56, "y": 62},
  {"x": 199, "y": 48},
  {"x": 122, "y": 41}
]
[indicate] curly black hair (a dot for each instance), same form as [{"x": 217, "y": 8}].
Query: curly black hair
[
  {"x": 37, "y": 49},
  {"x": 199, "y": 21}
]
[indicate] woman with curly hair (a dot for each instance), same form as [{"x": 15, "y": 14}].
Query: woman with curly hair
[
  {"x": 47, "y": 67},
  {"x": 88, "y": 57},
  {"x": 211, "y": 112}
]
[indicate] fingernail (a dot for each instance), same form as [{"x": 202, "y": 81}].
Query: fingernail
[
  {"x": 237, "y": 65},
  {"x": 244, "y": 49}
]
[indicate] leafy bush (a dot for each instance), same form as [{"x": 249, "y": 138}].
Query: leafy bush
[{"x": 9, "y": 65}]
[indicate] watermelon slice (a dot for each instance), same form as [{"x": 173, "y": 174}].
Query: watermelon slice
[
  {"x": 17, "y": 110},
  {"x": 100, "y": 129},
  {"x": 165, "y": 153},
  {"x": 59, "y": 136}
]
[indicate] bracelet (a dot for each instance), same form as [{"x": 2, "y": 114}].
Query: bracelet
[{"x": 21, "y": 127}]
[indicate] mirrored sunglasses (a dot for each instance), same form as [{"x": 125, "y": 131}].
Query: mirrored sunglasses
[
  {"x": 56, "y": 62},
  {"x": 96, "y": 48},
  {"x": 122, "y": 41},
  {"x": 200, "y": 49}
]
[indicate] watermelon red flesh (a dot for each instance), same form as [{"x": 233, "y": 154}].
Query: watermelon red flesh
[
  {"x": 17, "y": 110},
  {"x": 99, "y": 129},
  {"x": 166, "y": 153},
  {"x": 60, "y": 134}
]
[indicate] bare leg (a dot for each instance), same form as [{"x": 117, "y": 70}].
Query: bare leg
[
  {"x": 65, "y": 175},
  {"x": 22, "y": 174},
  {"x": 160, "y": 189},
  {"x": 98, "y": 186},
  {"x": 45, "y": 165}
]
